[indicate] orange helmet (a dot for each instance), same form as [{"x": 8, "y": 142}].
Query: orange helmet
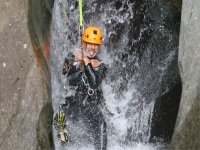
[{"x": 93, "y": 35}]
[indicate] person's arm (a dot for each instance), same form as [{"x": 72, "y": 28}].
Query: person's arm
[
  {"x": 72, "y": 70},
  {"x": 74, "y": 75},
  {"x": 66, "y": 66},
  {"x": 67, "y": 63}
]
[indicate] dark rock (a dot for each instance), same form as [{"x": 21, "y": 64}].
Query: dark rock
[{"x": 164, "y": 115}]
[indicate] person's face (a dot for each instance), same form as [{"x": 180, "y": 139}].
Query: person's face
[{"x": 91, "y": 49}]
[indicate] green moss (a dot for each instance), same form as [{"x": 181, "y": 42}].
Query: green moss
[{"x": 177, "y": 3}]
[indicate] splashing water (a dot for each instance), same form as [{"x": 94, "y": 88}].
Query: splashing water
[{"x": 126, "y": 86}]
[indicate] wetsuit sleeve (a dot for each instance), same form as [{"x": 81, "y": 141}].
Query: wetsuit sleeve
[
  {"x": 72, "y": 71},
  {"x": 74, "y": 75},
  {"x": 67, "y": 63},
  {"x": 65, "y": 66}
]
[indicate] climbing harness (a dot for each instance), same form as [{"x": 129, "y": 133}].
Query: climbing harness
[{"x": 86, "y": 83}]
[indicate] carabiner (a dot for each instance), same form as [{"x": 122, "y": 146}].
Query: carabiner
[
  {"x": 81, "y": 30},
  {"x": 90, "y": 91}
]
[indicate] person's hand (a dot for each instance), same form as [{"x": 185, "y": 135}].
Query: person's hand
[
  {"x": 80, "y": 56},
  {"x": 95, "y": 63}
]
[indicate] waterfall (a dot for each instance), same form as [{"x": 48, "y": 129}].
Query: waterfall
[{"x": 138, "y": 50}]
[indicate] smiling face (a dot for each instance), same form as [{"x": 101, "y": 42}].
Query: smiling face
[{"x": 91, "y": 49}]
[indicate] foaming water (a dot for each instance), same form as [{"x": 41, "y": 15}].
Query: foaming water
[
  {"x": 115, "y": 146},
  {"x": 122, "y": 103},
  {"x": 127, "y": 89}
]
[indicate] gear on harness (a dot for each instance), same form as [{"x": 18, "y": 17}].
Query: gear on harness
[
  {"x": 60, "y": 126},
  {"x": 86, "y": 83}
]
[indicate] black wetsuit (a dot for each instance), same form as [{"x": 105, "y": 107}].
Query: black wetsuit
[{"x": 85, "y": 105}]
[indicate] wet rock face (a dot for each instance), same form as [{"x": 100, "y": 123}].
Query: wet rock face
[
  {"x": 164, "y": 115},
  {"x": 142, "y": 38},
  {"x": 144, "y": 48},
  {"x": 39, "y": 20},
  {"x": 186, "y": 134}
]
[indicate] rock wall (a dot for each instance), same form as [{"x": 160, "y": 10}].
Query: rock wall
[
  {"x": 39, "y": 20},
  {"x": 24, "y": 93},
  {"x": 177, "y": 3},
  {"x": 186, "y": 134}
]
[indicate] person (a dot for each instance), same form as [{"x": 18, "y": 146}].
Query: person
[{"x": 85, "y": 72}]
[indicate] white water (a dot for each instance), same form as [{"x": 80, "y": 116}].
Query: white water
[
  {"x": 115, "y": 146},
  {"x": 131, "y": 111}
]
